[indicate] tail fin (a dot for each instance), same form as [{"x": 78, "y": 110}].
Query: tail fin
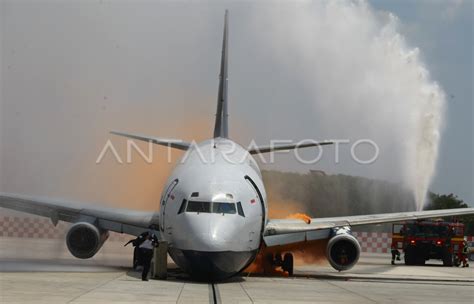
[{"x": 221, "y": 127}]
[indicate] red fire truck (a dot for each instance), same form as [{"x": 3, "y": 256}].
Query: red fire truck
[{"x": 429, "y": 239}]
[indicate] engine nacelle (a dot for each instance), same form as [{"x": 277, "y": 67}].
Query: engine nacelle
[
  {"x": 85, "y": 239},
  {"x": 343, "y": 249}
]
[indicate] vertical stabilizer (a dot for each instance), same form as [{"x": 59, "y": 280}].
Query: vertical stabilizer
[{"x": 221, "y": 126}]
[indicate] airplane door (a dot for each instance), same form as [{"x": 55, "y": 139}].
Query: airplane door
[
  {"x": 260, "y": 198},
  {"x": 164, "y": 201}
]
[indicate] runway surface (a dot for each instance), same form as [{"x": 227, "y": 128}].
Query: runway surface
[{"x": 42, "y": 271}]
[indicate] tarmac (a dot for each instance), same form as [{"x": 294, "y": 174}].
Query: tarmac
[{"x": 42, "y": 271}]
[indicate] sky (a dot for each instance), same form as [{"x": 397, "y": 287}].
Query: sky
[
  {"x": 396, "y": 72},
  {"x": 443, "y": 30}
]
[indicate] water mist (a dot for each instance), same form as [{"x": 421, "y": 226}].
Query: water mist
[{"x": 364, "y": 81}]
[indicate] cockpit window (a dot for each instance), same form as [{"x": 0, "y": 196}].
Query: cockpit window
[
  {"x": 223, "y": 208},
  {"x": 217, "y": 207},
  {"x": 183, "y": 206},
  {"x": 240, "y": 210},
  {"x": 194, "y": 206}
]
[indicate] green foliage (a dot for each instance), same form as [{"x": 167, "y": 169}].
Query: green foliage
[
  {"x": 444, "y": 201},
  {"x": 449, "y": 201}
]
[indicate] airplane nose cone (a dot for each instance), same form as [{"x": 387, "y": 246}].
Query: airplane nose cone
[
  {"x": 212, "y": 246},
  {"x": 215, "y": 250},
  {"x": 212, "y": 266},
  {"x": 212, "y": 232}
]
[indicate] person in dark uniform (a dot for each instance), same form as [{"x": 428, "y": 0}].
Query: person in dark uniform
[
  {"x": 146, "y": 252},
  {"x": 395, "y": 254},
  {"x": 137, "y": 257},
  {"x": 136, "y": 242},
  {"x": 136, "y": 252}
]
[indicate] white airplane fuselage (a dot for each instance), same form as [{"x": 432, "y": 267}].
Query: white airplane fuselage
[{"x": 213, "y": 210}]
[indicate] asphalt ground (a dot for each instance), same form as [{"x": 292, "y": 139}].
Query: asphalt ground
[{"x": 42, "y": 271}]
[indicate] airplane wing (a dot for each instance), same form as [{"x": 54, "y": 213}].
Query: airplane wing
[
  {"x": 113, "y": 219},
  {"x": 286, "y": 231}
]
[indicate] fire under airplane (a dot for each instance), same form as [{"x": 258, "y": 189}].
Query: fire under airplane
[{"x": 214, "y": 215}]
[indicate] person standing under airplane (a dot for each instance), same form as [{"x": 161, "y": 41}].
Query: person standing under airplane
[
  {"x": 137, "y": 258},
  {"x": 146, "y": 247}
]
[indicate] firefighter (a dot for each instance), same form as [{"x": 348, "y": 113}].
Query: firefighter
[
  {"x": 395, "y": 253},
  {"x": 137, "y": 256},
  {"x": 146, "y": 252},
  {"x": 463, "y": 254},
  {"x": 137, "y": 252}
]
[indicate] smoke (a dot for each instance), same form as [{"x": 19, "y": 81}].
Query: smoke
[
  {"x": 313, "y": 252},
  {"x": 66, "y": 87},
  {"x": 296, "y": 70},
  {"x": 1, "y": 88},
  {"x": 282, "y": 208},
  {"x": 304, "y": 253},
  {"x": 362, "y": 80},
  {"x": 71, "y": 72}
]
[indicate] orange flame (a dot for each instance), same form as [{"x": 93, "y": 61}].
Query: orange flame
[
  {"x": 307, "y": 252},
  {"x": 300, "y": 216}
]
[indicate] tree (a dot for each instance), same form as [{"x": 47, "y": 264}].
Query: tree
[{"x": 449, "y": 201}]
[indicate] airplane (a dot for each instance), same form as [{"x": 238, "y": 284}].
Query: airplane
[{"x": 213, "y": 214}]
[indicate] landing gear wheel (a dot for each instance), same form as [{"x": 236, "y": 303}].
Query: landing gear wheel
[
  {"x": 420, "y": 261},
  {"x": 410, "y": 256},
  {"x": 448, "y": 259},
  {"x": 288, "y": 263},
  {"x": 278, "y": 260},
  {"x": 268, "y": 263},
  {"x": 456, "y": 262}
]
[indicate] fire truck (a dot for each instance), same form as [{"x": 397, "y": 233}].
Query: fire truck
[{"x": 429, "y": 239}]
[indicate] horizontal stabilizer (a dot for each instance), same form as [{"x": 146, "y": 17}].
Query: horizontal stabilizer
[
  {"x": 173, "y": 143},
  {"x": 272, "y": 148}
]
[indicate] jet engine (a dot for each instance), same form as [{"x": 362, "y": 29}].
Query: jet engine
[
  {"x": 343, "y": 249},
  {"x": 85, "y": 239}
]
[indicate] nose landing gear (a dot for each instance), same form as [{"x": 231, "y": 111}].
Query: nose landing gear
[
  {"x": 287, "y": 264},
  {"x": 273, "y": 261}
]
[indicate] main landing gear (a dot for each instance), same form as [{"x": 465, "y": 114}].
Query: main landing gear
[{"x": 273, "y": 261}]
